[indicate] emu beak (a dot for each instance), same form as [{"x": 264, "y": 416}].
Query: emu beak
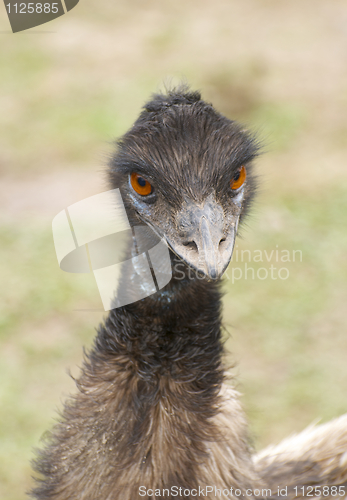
[{"x": 205, "y": 240}]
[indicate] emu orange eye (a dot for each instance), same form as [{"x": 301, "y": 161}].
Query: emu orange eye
[
  {"x": 239, "y": 178},
  {"x": 140, "y": 185}
]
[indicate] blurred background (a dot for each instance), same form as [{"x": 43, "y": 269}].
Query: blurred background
[{"x": 68, "y": 88}]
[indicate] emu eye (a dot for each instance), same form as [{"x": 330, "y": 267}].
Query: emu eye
[
  {"x": 238, "y": 179},
  {"x": 140, "y": 185}
]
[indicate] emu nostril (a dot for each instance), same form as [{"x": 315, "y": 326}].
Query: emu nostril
[
  {"x": 222, "y": 244},
  {"x": 191, "y": 245}
]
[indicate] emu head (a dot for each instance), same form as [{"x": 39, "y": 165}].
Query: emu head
[{"x": 186, "y": 171}]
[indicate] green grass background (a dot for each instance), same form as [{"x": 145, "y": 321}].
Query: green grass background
[{"x": 69, "y": 88}]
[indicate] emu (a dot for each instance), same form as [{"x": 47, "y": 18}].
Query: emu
[{"x": 153, "y": 413}]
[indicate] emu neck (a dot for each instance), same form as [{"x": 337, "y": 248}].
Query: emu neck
[
  {"x": 159, "y": 361},
  {"x": 150, "y": 410},
  {"x": 174, "y": 333}
]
